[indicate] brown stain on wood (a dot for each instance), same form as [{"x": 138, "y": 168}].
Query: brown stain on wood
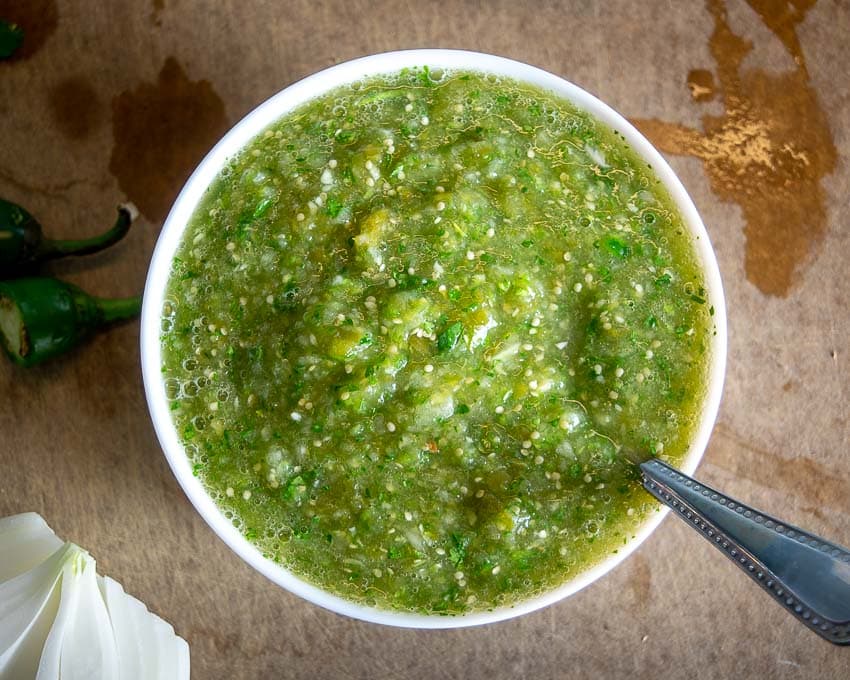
[
  {"x": 74, "y": 107},
  {"x": 769, "y": 150},
  {"x": 782, "y": 17},
  {"x": 161, "y": 131},
  {"x": 641, "y": 580},
  {"x": 38, "y": 19},
  {"x": 701, "y": 85},
  {"x": 158, "y": 7}
]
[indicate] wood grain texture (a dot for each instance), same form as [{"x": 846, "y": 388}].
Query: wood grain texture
[{"x": 77, "y": 446}]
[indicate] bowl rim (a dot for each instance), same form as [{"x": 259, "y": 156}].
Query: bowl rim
[{"x": 253, "y": 124}]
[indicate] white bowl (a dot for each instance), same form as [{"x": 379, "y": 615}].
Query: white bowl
[{"x": 254, "y": 123}]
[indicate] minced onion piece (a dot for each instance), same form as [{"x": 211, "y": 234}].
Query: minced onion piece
[{"x": 59, "y": 619}]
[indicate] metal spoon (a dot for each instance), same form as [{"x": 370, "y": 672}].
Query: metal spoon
[{"x": 808, "y": 576}]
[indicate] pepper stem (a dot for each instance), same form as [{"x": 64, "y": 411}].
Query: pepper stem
[
  {"x": 51, "y": 248},
  {"x": 119, "y": 309}
]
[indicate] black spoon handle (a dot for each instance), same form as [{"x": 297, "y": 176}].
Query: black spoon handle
[{"x": 808, "y": 576}]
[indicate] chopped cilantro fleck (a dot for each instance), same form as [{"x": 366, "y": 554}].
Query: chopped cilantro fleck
[{"x": 448, "y": 339}]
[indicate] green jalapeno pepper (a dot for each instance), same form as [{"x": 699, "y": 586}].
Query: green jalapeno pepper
[
  {"x": 22, "y": 243},
  {"x": 11, "y": 37},
  {"x": 41, "y": 317}
]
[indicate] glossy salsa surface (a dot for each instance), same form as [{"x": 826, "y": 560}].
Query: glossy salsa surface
[{"x": 414, "y": 325}]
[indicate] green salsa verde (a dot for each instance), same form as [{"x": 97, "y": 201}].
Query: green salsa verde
[{"x": 413, "y": 326}]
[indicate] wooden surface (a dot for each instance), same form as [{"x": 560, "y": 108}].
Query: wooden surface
[{"x": 114, "y": 100}]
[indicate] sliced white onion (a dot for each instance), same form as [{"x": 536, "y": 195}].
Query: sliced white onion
[
  {"x": 33, "y": 540},
  {"x": 28, "y": 606},
  {"x": 127, "y": 640},
  {"x": 88, "y": 648},
  {"x": 146, "y": 636},
  {"x": 25, "y": 598},
  {"x": 23, "y": 662},
  {"x": 166, "y": 649},
  {"x": 60, "y": 620},
  {"x": 183, "y": 665},
  {"x": 49, "y": 666}
]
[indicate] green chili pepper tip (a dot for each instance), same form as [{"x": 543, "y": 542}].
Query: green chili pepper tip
[
  {"x": 127, "y": 212},
  {"x": 22, "y": 243},
  {"x": 42, "y": 317},
  {"x": 11, "y": 37}
]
